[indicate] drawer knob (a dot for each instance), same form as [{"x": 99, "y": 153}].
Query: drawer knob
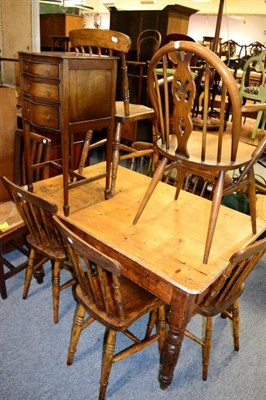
[
  {"x": 48, "y": 117},
  {"x": 49, "y": 93},
  {"x": 28, "y": 110},
  {"x": 28, "y": 86},
  {"x": 26, "y": 67},
  {"x": 48, "y": 71}
]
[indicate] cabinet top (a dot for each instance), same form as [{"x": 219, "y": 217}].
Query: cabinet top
[{"x": 67, "y": 55}]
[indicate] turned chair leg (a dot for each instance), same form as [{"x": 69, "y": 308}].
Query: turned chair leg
[
  {"x": 107, "y": 360},
  {"x": 56, "y": 289},
  {"x": 161, "y": 327},
  {"x": 115, "y": 160},
  {"x": 75, "y": 333},
  {"x": 206, "y": 348},
  {"x": 235, "y": 320},
  {"x": 29, "y": 273}
]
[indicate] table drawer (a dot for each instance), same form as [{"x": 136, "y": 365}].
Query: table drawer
[
  {"x": 43, "y": 69},
  {"x": 42, "y": 115},
  {"x": 41, "y": 90}
]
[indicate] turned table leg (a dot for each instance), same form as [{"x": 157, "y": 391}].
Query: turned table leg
[{"x": 180, "y": 312}]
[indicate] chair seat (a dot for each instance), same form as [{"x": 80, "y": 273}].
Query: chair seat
[
  {"x": 244, "y": 154},
  {"x": 52, "y": 251},
  {"x": 137, "y": 302},
  {"x": 136, "y": 111}
]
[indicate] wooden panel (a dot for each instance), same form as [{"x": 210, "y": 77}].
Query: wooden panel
[
  {"x": 8, "y": 126},
  {"x": 57, "y": 25}
]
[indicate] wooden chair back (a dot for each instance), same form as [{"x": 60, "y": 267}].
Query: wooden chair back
[
  {"x": 97, "y": 274},
  {"x": 254, "y": 49},
  {"x": 148, "y": 42},
  {"x": 105, "y": 42},
  {"x": 40, "y": 156},
  {"x": 231, "y": 283},
  {"x": 37, "y": 215},
  {"x": 178, "y": 101}
]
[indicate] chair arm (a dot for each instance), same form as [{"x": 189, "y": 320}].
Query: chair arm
[{"x": 253, "y": 108}]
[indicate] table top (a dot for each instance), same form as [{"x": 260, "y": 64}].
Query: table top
[{"x": 168, "y": 241}]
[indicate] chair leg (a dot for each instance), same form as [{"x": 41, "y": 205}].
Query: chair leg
[
  {"x": 75, "y": 333},
  {"x": 216, "y": 202},
  {"x": 107, "y": 360},
  {"x": 85, "y": 150},
  {"x": 29, "y": 272},
  {"x": 3, "y": 291},
  {"x": 181, "y": 173},
  {"x": 115, "y": 161},
  {"x": 252, "y": 199},
  {"x": 56, "y": 289},
  {"x": 235, "y": 320},
  {"x": 256, "y": 127},
  {"x": 161, "y": 327},
  {"x": 206, "y": 348},
  {"x": 156, "y": 178},
  {"x": 151, "y": 323}
]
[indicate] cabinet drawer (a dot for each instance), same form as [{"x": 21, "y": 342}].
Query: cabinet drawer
[
  {"x": 41, "y": 115},
  {"x": 41, "y": 90},
  {"x": 44, "y": 69}
]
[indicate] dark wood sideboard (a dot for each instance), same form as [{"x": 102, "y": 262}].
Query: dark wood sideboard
[{"x": 171, "y": 19}]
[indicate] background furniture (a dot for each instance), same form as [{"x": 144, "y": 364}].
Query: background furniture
[
  {"x": 42, "y": 239},
  {"x": 173, "y": 18},
  {"x": 193, "y": 151},
  {"x": 223, "y": 298},
  {"x": 111, "y": 299},
  {"x": 52, "y": 103},
  {"x": 253, "y": 87},
  {"x": 148, "y": 42},
  {"x": 57, "y": 25}
]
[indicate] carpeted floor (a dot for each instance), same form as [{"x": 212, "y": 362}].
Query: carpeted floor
[{"x": 33, "y": 353}]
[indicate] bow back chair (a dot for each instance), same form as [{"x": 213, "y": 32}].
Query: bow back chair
[
  {"x": 223, "y": 297},
  {"x": 111, "y": 299},
  {"x": 107, "y": 42},
  {"x": 253, "y": 86},
  {"x": 148, "y": 42},
  {"x": 43, "y": 240},
  {"x": 202, "y": 152},
  {"x": 13, "y": 235}
]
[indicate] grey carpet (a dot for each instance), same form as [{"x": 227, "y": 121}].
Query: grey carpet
[{"x": 33, "y": 353}]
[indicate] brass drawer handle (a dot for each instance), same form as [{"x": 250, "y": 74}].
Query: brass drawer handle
[
  {"x": 28, "y": 110},
  {"x": 26, "y": 67},
  {"x": 49, "y": 93},
  {"x": 48, "y": 117},
  {"x": 28, "y": 86},
  {"x": 48, "y": 71}
]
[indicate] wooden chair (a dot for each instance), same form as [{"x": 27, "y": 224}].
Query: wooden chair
[
  {"x": 203, "y": 150},
  {"x": 148, "y": 42},
  {"x": 13, "y": 235},
  {"x": 43, "y": 239},
  {"x": 110, "y": 299},
  {"x": 253, "y": 87},
  {"x": 108, "y": 42},
  {"x": 223, "y": 298}
]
